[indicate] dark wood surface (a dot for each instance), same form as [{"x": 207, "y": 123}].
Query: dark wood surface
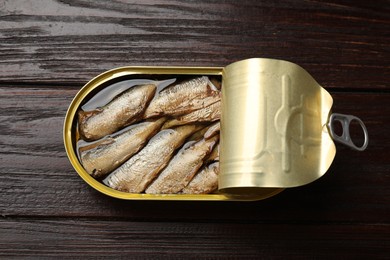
[{"x": 49, "y": 49}]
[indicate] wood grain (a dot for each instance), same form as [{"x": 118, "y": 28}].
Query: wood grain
[
  {"x": 341, "y": 43},
  {"x": 140, "y": 240},
  {"x": 50, "y": 48}
]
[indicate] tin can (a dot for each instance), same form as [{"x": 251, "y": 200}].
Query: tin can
[{"x": 276, "y": 127}]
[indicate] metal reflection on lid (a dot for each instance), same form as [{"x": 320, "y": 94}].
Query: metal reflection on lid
[{"x": 274, "y": 127}]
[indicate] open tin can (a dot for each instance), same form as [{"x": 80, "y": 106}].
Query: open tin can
[{"x": 276, "y": 126}]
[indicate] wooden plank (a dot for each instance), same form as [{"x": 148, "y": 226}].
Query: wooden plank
[
  {"x": 122, "y": 239},
  {"x": 50, "y": 48},
  {"x": 343, "y": 45},
  {"x": 37, "y": 179}
]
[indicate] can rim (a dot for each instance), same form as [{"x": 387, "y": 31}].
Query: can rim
[{"x": 133, "y": 70}]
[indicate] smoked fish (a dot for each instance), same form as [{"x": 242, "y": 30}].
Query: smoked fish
[
  {"x": 183, "y": 166},
  {"x": 183, "y": 98},
  {"x": 213, "y": 130},
  {"x": 105, "y": 155},
  {"x": 207, "y": 114},
  {"x": 206, "y": 181},
  {"x": 123, "y": 110},
  {"x": 214, "y": 155},
  {"x": 142, "y": 168}
]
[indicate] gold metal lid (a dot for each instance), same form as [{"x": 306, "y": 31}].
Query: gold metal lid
[{"x": 273, "y": 127}]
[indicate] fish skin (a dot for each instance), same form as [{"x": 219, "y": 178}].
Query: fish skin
[
  {"x": 198, "y": 135},
  {"x": 217, "y": 83},
  {"x": 205, "y": 181},
  {"x": 105, "y": 155},
  {"x": 213, "y": 130},
  {"x": 142, "y": 168},
  {"x": 210, "y": 113},
  {"x": 181, "y": 169},
  {"x": 123, "y": 110},
  {"x": 183, "y": 98},
  {"x": 214, "y": 155}
]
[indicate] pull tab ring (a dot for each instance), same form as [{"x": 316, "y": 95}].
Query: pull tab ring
[{"x": 345, "y": 137}]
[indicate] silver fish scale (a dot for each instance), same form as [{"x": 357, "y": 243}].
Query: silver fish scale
[{"x": 135, "y": 174}]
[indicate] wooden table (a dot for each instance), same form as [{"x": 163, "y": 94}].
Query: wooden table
[{"x": 49, "y": 49}]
